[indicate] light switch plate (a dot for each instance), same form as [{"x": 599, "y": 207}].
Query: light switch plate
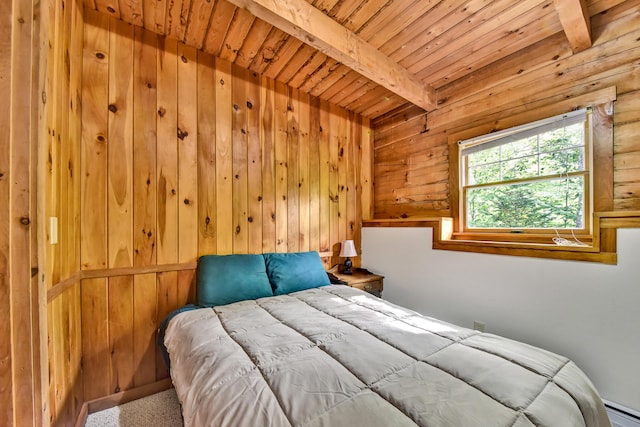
[{"x": 53, "y": 230}]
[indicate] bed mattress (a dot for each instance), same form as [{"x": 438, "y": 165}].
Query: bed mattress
[{"x": 336, "y": 356}]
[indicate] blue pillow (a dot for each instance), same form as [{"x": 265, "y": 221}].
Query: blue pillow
[
  {"x": 296, "y": 271},
  {"x": 223, "y": 279}
]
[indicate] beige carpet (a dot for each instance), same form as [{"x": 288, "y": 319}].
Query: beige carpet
[{"x": 158, "y": 410}]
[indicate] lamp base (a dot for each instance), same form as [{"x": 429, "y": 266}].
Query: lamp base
[{"x": 346, "y": 267}]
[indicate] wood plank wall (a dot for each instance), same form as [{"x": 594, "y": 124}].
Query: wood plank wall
[
  {"x": 411, "y": 156},
  {"x": 58, "y": 188},
  {"x": 172, "y": 155},
  {"x": 22, "y": 362},
  {"x": 6, "y": 377}
]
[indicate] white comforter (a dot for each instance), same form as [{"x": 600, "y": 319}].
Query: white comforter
[{"x": 336, "y": 356}]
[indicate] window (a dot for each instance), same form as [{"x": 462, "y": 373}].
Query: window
[
  {"x": 533, "y": 178},
  {"x": 523, "y": 186}
]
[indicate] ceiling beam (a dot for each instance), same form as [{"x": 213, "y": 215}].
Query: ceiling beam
[
  {"x": 575, "y": 20},
  {"x": 308, "y": 24}
]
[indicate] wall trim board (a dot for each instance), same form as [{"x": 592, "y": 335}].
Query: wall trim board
[
  {"x": 116, "y": 399},
  {"x": 132, "y": 271},
  {"x": 60, "y": 287},
  {"x": 65, "y": 284}
]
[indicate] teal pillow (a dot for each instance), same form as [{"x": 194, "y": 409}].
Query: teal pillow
[
  {"x": 223, "y": 279},
  {"x": 296, "y": 271}
]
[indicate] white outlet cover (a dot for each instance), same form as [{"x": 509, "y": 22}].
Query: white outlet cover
[{"x": 53, "y": 230}]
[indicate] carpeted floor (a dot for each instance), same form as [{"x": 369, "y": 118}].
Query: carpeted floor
[{"x": 158, "y": 410}]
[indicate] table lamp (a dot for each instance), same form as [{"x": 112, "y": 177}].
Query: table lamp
[{"x": 347, "y": 250}]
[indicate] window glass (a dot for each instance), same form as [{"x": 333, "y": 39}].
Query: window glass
[
  {"x": 554, "y": 203},
  {"x": 533, "y": 179}
]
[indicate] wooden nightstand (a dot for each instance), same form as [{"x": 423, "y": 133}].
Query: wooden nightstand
[{"x": 361, "y": 279}]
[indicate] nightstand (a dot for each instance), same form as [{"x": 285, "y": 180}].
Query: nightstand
[{"x": 361, "y": 279}]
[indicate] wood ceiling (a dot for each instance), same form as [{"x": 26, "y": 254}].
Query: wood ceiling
[{"x": 369, "y": 56}]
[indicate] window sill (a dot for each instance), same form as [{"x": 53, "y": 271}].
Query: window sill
[
  {"x": 545, "y": 239},
  {"x": 536, "y": 250},
  {"x": 601, "y": 249}
]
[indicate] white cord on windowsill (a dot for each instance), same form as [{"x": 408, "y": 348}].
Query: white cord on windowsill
[{"x": 561, "y": 241}]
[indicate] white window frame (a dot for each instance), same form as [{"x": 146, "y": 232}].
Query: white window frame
[{"x": 482, "y": 142}]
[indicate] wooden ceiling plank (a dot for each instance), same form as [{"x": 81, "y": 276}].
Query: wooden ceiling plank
[
  {"x": 218, "y": 26},
  {"x": 342, "y": 10},
  {"x": 483, "y": 53},
  {"x": 359, "y": 86},
  {"x": 198, "y": 24},
  {"x": 303, "y": 21},
  {"x": 256, "y": 37},
  {"x": 352, "y": 78},
  {"x": 340, "y": 73},
  {"x": 295, "y": 65},
  {"x": 329, "y": 66},
  {"x": 238, "y": 29},
  {"x": 385, "y": 26},
  {"x": 627, "y": 15},
  {"x": 428, "y": 26},
  {"x": 154, "y": 15},
  {"x": 161, "y": 17},
  {"x": 177, "y": 15},
  {"x": 325, "y": 5},
  {"x": 461, "y": 37},
  {"x": 131, "y": 12},
  {"x": 269, "y": 50},
  {"x": 313, "y": 64},
  {"x": 384, "y": 104},
  {"x": 574, "y": 17},
  {"x": 394, "y": 118},
  {"x": 288, "y": 50},
  {"x": 481, "y": 50},
  {"x": 379, "y": 108},
  {"x": 376, "y": 94},
  {"x": 356, "y": 96},
  {"x": 366, "y": 11},
  {"x": 599, "y": 6},
  {"x": 458, "y": 33},
  {"x": 110, "y": 7},
  {"x": 506, "y": 69}
]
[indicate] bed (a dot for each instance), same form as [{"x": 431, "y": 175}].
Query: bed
[{"x": 303, "y": 352}]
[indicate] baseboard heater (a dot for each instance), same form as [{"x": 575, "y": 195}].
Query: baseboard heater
[{"x": 621, "y": 416}]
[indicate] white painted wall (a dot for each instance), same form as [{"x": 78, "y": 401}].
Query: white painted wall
[{"x": 588, "y": 312}]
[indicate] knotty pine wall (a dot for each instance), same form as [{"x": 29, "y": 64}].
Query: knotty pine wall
[
  {"x": 172, "y": 155},
  {"x": 59, "y": 190},
  {"x": 22, "y": 370},
  {"x": 411, "y": 170}
]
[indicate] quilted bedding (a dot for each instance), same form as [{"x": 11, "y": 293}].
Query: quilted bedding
[{"x": 336, "y": 356}]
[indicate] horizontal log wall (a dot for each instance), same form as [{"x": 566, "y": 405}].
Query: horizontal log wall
[
  {"x": 174, "y": 154},
  {"x": 411, "y": 157}
]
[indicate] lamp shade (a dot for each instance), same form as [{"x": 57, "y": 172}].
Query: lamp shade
[{"x": 348, "y": 249}]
